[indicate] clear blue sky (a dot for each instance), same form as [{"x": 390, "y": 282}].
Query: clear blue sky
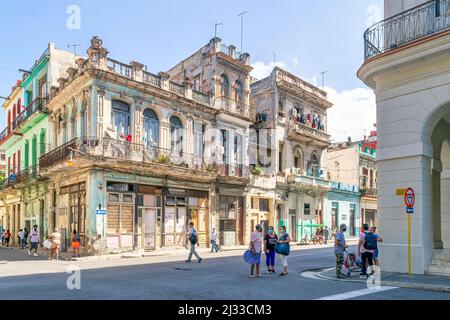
[{"x": 321, "y": 34}]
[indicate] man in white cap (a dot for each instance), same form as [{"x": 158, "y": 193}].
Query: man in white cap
[{"x": 339, "y": 248}]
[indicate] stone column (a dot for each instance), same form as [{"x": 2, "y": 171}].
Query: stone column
[
  {"x": 100, "y": 113},
  {"x": 137, "y": 71},
  {"x": 164, "y": 80},
  {"x": 138, "y": 124},
  {"x": 164, "y": 134},
  {"x": 438, "y": 197},
  {"x": 189, "y": 141}
]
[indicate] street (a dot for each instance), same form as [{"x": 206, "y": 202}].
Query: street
[{"x": 222, "y": 276}]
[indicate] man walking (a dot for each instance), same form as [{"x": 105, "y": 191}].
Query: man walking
[
  {"x": 25, "y": 238},
  {"x": 339, "y": 248},
  {"x": 326, "y": 234},
  {"x": 366, "y": 247},
  {"x": 20, "y": 238},
  {"x": 193, "y": 239},
  {"x": 214, "y": 246},
  {"x": 34, "y": 239}
]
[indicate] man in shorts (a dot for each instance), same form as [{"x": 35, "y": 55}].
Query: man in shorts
[{"x": 34, "y": 239}]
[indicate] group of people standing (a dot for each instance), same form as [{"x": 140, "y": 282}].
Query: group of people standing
[
  {"x": 272, "y": 244},
  {"x": 367, "y": 250}
]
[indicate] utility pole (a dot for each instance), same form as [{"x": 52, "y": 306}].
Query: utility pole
[
  {"x": 323, "y": 78},
  {"x": 74, "y": 47},
  {"x": 242, "y": 29},
  {"x": 215, "y": 28}
]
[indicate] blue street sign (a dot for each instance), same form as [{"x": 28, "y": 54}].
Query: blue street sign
[
  {"x": 101, "y": 211},
  {"x": 409, "y": 210}
]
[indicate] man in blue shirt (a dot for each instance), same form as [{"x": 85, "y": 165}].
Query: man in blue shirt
[{"x": 339, "y": 248}]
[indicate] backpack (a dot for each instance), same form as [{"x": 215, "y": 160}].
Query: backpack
[
  {"x": 193, "y": 238},
  {"x": 370, "y": 241}
]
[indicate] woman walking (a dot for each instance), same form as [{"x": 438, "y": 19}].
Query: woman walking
[
  {"x": 284, "y": 240},
  {"x": 76, "y": 240},
  {"x": 256, "y": 248},
  {"x": 7, "y": 237},
  {"x": 270, "y": 240}
]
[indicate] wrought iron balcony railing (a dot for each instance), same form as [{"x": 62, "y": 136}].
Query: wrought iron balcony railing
[
  {"x": 122, "y": 150},
  {"x": 419, "y": 22},
  {"x": 303, "y": 129},
  {"x": 38, "y": 105},
  {"x": 24, "y": 176}
]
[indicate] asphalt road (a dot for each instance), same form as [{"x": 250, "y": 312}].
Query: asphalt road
[{"x": 219, "y": 278}]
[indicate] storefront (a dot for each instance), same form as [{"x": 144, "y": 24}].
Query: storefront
[{"x": 231, "y": 220}]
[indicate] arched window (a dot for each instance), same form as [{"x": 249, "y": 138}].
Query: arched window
[
  {"x": 239, "y": 94},
  {"x": 176, "y": 135},
  {"x": 151, "y": 128},
  {"x": 121, "y": 118},
  {"x": 298, "y": 158},
  {"x": 19, "y": 106},
  {"x": 225, "y": 89},
  {"x": 314, "y": 165},
  {"x": 9, "y": 121}
]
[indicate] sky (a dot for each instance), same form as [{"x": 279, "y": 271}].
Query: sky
[{"x": 307, "y": 36}]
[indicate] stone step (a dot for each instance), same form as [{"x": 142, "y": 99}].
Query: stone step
[{"x": 439, "y": 269}]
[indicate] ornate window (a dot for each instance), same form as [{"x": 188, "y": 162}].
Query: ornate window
[
  {"x": 121, "y": 119},
  {"x": 151, "y": 128},
  {"x": 239, "y": 93},
  {"x": 225, "y": 88},
  {"x": 298, "y": 158},
  {"x": 176, "y": 135}
]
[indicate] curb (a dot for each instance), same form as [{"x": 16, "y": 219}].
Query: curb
[{"x": 417, "y": 286}]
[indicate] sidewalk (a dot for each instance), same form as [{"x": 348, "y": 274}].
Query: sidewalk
[{"x": 392, "y": 279}]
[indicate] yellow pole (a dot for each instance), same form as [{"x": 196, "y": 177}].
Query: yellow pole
[{"x": 409, "y": 245}]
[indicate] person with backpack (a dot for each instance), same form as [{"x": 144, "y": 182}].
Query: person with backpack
[
  {"x": 366, "y": 247},
  {"x": 193, "y": 239},
  {"x": 270, "y": 241}
]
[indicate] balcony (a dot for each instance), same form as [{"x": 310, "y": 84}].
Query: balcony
[
  {"x": 16, "y": 128},
  {"x": 24, "y": 176},
  {"x": 232, "y": 106},
  {"x": 368, "y": 192},
  {"x": 308, "y": 180},
  {"x": 111, "y": 150},
  {"x": 423, "y": 21},
  {"x": 300, "y": 132}
]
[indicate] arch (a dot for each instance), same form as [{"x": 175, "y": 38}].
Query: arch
[
  {"x": 176, "y": 135},
  {"x": 298, "y": 160},
  {"x": 239, "y": 92},
  {"x": 225, "y": 86},
  {"x": 151, "y": 128},
  {"x": 121, "y": 118}
]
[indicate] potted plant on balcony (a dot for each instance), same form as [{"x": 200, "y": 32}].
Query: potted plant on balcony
[
  {"x": 212, "y": 168},
  {"x": 163, "y": 159},
  {"x": 257, "y": 171}
]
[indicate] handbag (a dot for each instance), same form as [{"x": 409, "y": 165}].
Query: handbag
[
  {"x": 250, "y": 258},
  {"x": 47, "y": 244},
  {"x": 283, "y": 248}
]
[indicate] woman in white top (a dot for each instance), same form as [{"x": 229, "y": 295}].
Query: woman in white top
[{"x": 256, "y": 248}]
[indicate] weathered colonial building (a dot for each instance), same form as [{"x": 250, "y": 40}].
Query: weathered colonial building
[
  {"x": 26, "y": 138},
  {"x": 291, "y": 139},
  {"x": 136, "y": 156}
]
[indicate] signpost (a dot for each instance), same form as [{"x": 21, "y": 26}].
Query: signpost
[{"x": 410, "y": 199}]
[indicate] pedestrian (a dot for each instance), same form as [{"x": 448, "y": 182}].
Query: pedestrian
[
  {"x": 376, "y": 258},
  {"x": 339, "y": 248},
  {"x": 76, "y": 242},
  {"x": 20, "y": 238},
  {"x": 214, "y": 246},
  {"x": 270, "y": 241},
  {"x": 55, "y": 237},
  {"x": 326, "y": 234},
  {"x": 34, "y": 240},
  {"x": 366, "y": 247},
  {"x": 193, "y": 239},
  {"x": 284, "y": 239},
  {"x": 25, "y": 238},
  {"x": 256, "y": 240},
  {"x": 7, "y": 237}
]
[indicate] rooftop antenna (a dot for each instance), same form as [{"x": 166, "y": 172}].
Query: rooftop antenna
[
  {"x": 242, "y": 29},
  {"x": 323, "y": 78},
  {"x": 74, "y": 47},
  {"x": 215, "y": 28}
]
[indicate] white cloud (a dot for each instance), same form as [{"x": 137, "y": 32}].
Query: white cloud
[
  {"x": 262, "y": 70},
  {"x": 353, "y": 112}
]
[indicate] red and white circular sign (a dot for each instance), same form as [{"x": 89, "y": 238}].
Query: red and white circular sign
[{"x": 410, "y": 198}]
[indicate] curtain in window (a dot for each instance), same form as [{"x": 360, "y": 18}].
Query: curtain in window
[
  {"x": 151, "y": 129},
  {"x": 176, "y": 133},
  {"x": 121, "y": 118}
]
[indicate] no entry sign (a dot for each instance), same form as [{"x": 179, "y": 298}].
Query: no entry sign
[{"x": 410, "y": 198}]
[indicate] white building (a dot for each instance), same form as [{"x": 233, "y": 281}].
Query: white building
[{"x": 407, "y": 63}]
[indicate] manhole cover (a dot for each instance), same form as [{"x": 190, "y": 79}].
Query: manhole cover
[{"x": 182, "y": 269}]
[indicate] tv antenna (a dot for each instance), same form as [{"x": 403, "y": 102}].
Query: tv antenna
[{"x": 74, "y": 47}]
